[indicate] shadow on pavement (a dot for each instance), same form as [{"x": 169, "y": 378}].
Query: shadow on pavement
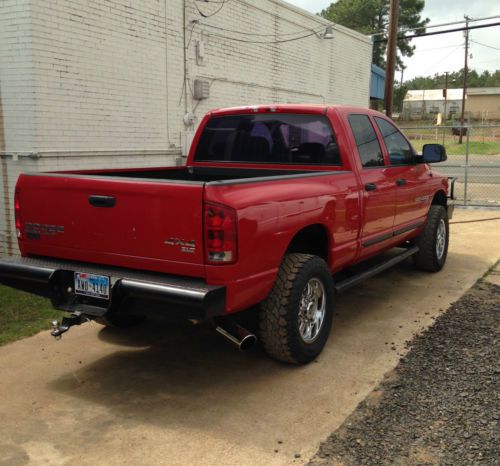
[{"x": 182, "y": 375}]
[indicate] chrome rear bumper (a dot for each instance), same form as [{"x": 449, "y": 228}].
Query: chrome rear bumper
[{"x": 132, "y": 291}]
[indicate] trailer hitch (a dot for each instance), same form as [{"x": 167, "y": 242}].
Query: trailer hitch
[{"x": 77, "y": 318}]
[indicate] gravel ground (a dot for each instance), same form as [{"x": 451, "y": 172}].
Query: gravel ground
[{"x": 441, "y": 405}]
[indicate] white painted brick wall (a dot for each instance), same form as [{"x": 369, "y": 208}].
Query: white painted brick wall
[{"x": 108, "y": 75}]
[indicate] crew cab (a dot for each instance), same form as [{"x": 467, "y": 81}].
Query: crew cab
[{"x": 273, "y": 201}]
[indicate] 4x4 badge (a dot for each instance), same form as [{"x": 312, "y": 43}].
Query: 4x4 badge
[{"x": 188, "y": 247}]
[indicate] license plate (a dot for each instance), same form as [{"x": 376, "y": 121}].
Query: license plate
[{"x": 95, "y": 286}]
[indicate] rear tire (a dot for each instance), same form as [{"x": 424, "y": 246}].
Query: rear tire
[
  {"x": 433, "y": 242},
  {"x": 296, "y": 317}
]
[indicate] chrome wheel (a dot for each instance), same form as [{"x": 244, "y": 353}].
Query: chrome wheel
[
  {"x": 312, "y": 310},
  {"x": 440, "y": 239}
]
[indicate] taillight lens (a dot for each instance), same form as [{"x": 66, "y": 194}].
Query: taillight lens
[
  {"x": 220, "y": 234},
  {"x": 17, "y": 214}
]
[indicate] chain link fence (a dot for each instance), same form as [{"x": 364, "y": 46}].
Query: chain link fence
[{"x": 475, "y": 162}]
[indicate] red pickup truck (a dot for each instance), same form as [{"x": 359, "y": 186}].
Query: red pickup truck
[{"x": 273, "y": 203}]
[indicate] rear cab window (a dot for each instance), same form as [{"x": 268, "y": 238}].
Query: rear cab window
[{"x": 277, "y": 138}]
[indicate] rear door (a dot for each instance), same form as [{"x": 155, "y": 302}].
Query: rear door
[
  {"x": 114, "y": 221},
  {"x": 379, "y": 195}
]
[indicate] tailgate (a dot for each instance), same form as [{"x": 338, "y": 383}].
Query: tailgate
[{"x": 128, "y": 223}]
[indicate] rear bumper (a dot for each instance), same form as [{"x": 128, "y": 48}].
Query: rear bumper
[{"x": 132, "y": 291}]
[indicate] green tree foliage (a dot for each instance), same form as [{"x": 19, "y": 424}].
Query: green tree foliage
[
  {"x": 372, "y": 16},
  {"x": 456, "y": 79},
  {"x": 399, "y": 95}
]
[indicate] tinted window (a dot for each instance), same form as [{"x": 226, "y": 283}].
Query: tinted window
[
  {"x": 366, "y": 140},
  {"x": 269, "y": 138},
  {"x": 400, "y": 152}
]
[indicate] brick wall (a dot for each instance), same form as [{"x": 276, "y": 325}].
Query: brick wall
[{"x": 98, "y": 83}]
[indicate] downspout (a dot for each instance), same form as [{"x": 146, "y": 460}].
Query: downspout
[
  {"x": 169, "y": 145},
  {"x": 5, "y": 182},
  {"x": 184, "y": 6}
]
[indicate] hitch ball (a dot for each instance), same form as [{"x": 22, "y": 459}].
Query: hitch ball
[{"x": 67, "y": 322}]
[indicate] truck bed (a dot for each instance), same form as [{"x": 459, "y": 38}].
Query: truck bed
[{"x": 192, "y": 174}]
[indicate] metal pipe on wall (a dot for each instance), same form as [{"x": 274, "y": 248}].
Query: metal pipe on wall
[{"x": 5, "y": 183}]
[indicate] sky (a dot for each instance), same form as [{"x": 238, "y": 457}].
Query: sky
[{"x": 445, "y": 52}]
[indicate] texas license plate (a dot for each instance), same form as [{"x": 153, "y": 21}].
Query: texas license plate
[{"x": 95, "y": 286}]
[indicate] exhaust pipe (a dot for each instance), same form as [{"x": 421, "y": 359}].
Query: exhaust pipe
[{"x": 237, "y": 335}]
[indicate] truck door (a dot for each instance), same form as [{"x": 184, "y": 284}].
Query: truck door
[
  {"x": 408, "y": 178},
  {"x": 379, "y": 195}
]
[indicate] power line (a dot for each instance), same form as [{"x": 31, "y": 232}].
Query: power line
[
  {"x": 255, "y": 34},
  {"x": 299, "y": 31},
  {"x": 432, "y": 26},
  {"x": 236, "y": 39},
  {"x": 222, "y": 3},
  {"x": 315, "y": 32},
  {"x": 487, "y": 61},
  {"x": 442, "y": 60},
  {"x": 485, "y": 45},
  {"x": 447, "y": 31},
  {"x": 437, "y": 48}
]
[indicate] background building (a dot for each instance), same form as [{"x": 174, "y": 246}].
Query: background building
[
  {"x": 377, "y": 86},
  {"x": 427, "y": 103},
  {"x": 115, "y": 83},
  {"x": 484, "y": 103}
]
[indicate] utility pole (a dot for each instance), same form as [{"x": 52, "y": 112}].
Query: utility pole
[
  {"x": 391, "y": 56},
  {"x": 466, "y": 72},
  {"x": 445, "y": 95}
]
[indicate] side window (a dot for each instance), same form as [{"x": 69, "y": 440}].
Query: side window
[
  {"x": 366, "y": 140},
  {"x": 400, "y": 152}
]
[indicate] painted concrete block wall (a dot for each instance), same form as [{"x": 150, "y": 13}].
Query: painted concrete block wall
[
  {"x": 17, "y": 82},
  {"x": 99, "y": 69},
  {"x": 109, "y": 74},
  {"x": 107, "y": 83},
  {"x": 17, "y": 102},
  {"x": 247, "y": 72}
]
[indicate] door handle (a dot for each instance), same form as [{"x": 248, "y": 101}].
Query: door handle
[
  {"x": 370, "y": 186},
  {"x": 102, "y": 201},
  {"x": 401, "y": 182}
]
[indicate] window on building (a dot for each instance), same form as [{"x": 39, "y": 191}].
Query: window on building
[
  {"x": 400, "y": 151},
  {"x": 366, "y": 140}
]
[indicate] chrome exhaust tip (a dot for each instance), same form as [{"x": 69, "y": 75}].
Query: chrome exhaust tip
[{"x": 237, "y": 336}]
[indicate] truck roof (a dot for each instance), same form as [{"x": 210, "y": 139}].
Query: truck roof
[{"x": 294, "y": 108}]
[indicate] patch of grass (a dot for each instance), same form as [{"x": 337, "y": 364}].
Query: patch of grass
[
  {"x": 23, "y": 314},
  {"x": 452, "y": 148}
]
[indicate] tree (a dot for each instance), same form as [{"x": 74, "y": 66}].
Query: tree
[
  {"x": 372, "y": 16},
  {"x": 455, "y": 80},
  {"x": 399, "y": 95}
]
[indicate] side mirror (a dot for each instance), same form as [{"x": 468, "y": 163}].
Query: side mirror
[{"x": 433, "y": 153}]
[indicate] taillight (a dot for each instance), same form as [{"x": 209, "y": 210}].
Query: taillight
[
  {"x": 220, "y": 234},
  {"x": 17, "y": 214}
]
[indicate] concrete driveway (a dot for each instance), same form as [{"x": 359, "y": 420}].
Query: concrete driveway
[{"x": 183, "y": 396}]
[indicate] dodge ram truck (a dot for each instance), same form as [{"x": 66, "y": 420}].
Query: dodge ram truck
[{"x": 273, "y": 204}]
